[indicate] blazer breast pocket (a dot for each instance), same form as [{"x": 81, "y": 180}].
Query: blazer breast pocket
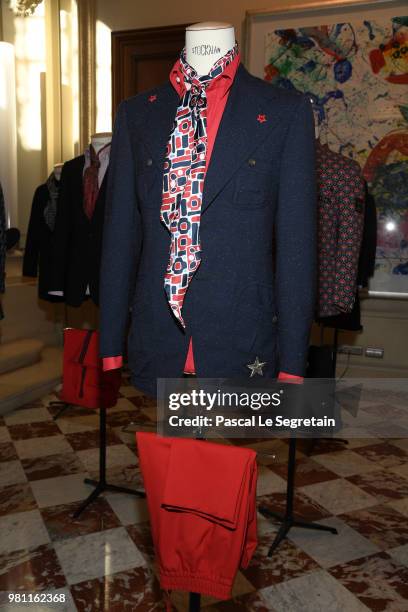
[{"x": 253, "y": 185}]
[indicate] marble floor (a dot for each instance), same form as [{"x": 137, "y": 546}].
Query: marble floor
[{"x": 104, "y": 560}]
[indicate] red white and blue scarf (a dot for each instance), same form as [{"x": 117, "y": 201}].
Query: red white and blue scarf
[{"x": 183, "y": 180}]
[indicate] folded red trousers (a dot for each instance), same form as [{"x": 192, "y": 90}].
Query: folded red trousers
[{"x": 202, "y": 504}]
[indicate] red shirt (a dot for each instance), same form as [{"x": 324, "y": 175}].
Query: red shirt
[{"x": 217, "y": 96}]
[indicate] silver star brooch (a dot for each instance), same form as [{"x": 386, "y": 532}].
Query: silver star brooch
[{"x": 256, "y": 367}]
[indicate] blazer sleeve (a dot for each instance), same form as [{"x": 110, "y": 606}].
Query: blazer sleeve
[
  {"x": 62, "y": 232},
  {"x": 350, "y": 209},
  {"x": 32, "y": 246},
  {"x": 122, "y": 240},
  {"x": 295, "y": 227}
]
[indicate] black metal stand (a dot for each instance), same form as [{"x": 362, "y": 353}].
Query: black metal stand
[
  {"x": 287, "y": 519},
  {"x": 194, "y": 604},
  {"x": 101, "y": 485},
  {"x": 194, "y": 601},
  {"x": 63, "y": 408}
]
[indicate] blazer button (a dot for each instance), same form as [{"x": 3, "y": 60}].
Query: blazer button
[
  {"x": 274, "y": 319},
  {"x": 149, "y": 162},
  {"x": 252, "y": 162}
]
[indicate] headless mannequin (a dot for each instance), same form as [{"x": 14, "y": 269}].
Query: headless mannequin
[
  {"x": 206, "y": 42},
  {"x": 57, "y": 171},
  {"x": 100, "y": 140}
]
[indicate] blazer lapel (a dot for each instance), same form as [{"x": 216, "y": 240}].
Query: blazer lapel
[
  {"x": 78, "y": 188},
  {"x": 158, "y": 122},
  {"x": 100, "y": 200},
  {"x": 240, "y": 132}
]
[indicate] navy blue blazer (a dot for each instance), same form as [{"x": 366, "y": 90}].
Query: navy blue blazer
[{"x": 254, "y": 292}]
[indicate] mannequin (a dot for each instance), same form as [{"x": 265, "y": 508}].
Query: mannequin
[
  {"x": 57, "y": 171},
  {"x": 76, "y": 254},
  {"x": 37, "y": 260},
  {"x": 259, "y": 175},
  {"x": 206, "y": 42},
  {"x": 100, "y": 140},
  {"x": 210, "y": 227}
]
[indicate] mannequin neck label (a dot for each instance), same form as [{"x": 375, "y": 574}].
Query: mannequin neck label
[
  {"x": 206, "y": 49},
  {"x": 206, "y": 46}
]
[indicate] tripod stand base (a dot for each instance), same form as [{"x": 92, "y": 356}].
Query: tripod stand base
[
  {"x": 194, "y": 602},
  {"x": 287, "y": 523},
  {"x": 101, "y": 487},
  {"x": 63, "y": 407}
]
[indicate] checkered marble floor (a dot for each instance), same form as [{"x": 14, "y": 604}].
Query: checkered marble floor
[{"x": 104, "y": 560}]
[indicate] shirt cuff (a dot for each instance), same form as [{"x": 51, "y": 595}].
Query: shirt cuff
[
  {"x": 112, "y": 363},
  {"x": 60, "y": 293},
  {"x": 291, "y": 378}
]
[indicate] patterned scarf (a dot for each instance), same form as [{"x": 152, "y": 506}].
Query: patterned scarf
[
  {"x": 183, "y": 180},
  {"x": 50, "y": 210}
]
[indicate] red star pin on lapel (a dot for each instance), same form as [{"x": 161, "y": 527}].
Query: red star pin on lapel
[
  {"x": 153, "y": 98},
  {"x": 261, "y": 118}
]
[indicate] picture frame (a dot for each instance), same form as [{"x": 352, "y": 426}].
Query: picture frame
[{"x": 262, "y": 35}]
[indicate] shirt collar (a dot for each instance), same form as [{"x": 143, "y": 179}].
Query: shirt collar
[
  {"x": 222, "y": 83},
  {"x": 103, "y": 153}
]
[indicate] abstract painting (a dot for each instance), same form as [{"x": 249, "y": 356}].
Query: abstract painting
[{"x": 357, "y": 77}]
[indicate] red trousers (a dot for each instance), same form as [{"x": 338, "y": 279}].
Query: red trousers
[{"x": 202, "y": 503}]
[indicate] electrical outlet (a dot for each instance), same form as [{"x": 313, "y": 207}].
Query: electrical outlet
[
  {"x": 350, "y": 349},
  {"x": 373, "y": 351}
]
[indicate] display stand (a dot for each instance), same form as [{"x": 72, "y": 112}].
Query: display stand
[
  {"x": 63, "y": 407},
  {"x": 194, "y": 604},
  {"x": 287, "y": 519},
  {"x": 101, "y": 485}
]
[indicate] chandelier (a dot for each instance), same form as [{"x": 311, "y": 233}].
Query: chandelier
[{"x": 24, "y": 8}]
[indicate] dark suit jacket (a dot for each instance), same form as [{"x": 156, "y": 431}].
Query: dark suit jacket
[
  {"x": 77, "y": 241},
  {"x": 260, "y": 184},
  {"x": 38, "y": 249}
]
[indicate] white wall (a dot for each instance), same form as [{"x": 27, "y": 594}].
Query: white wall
[
  {"x": 46, "y": 52},
  {"x": 127, "y": 15},
  {"x": 28, "y": 38}
]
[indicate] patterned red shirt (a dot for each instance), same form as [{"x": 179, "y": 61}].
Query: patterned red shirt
[{"x": 341, "y": 196}]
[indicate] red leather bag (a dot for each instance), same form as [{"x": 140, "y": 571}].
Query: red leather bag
[{"x": 84, "y": 383}]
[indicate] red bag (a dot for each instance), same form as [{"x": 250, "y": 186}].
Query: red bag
[{"x": 84, "y": 383}]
